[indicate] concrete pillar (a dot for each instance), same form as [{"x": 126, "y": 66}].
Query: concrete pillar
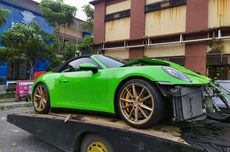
[
  {"x": 196, "y": 20},
  {"x": 137, "y": 29}
]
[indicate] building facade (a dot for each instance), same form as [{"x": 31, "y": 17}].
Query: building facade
[
  {"x": 193, "y": 33},
  {"x": 24, "y": 11}
]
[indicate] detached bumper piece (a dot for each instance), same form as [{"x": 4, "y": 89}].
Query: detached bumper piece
[{"x": 187, "y": 103}]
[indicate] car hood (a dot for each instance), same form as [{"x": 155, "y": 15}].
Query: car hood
[
  {"x": 146, "y": 61},
  {"x": 156, "y": 62}
]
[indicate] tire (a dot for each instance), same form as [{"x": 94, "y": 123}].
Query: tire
[
  {"x": 41, "y": 99},
  {"x": 93, "y": 142},
  {"x": 141, "y": 108}
]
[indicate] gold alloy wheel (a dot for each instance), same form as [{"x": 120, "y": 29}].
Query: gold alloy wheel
[
  {"x": 136, "y": 103},
  {"x": 40, "y": 98},
  {"x": 97, "y": 146}
]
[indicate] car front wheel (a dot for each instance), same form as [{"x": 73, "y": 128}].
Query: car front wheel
[{"x": 140, "y": 104}]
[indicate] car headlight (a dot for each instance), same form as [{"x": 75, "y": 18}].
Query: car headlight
[{"x": 177, "y": 74}]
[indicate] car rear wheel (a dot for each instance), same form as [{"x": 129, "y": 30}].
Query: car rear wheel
[
  {"x": 41, "y": 101},
  {"x": 140, "y": 104}
]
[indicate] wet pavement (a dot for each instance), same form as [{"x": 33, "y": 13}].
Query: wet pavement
[{"x": 14, "y": 139}]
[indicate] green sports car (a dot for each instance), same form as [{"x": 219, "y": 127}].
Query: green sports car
[{"x": 142, "y": 91}]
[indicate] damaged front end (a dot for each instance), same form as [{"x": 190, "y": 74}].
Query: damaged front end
[
  {"x": 195, "y": 102},
  {"x": 192, "y": 96}
]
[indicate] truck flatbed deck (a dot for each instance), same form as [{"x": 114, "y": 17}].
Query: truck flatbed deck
[{"x": 67, "y": 132}]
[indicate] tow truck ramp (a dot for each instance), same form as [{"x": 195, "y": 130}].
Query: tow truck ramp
[{"x": 68, "y": 132}]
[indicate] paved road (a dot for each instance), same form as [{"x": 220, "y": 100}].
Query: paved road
[{"x": 13, "y": 139}]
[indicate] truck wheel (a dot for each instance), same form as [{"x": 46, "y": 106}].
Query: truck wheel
[
  {"x": 41, "y": 100},
  {"x": 140, "y": 104},
  {"x": 95, "y": 143}
]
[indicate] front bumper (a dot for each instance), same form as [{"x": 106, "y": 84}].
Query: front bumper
[{"x": 187, "y": 102}]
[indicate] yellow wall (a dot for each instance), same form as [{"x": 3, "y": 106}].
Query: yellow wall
[
  {"x": 167, "y": 21},
  {"x": 118, "y": 7},
  {"x": 226, "y": 46},
  {"x": 152, "y": 1},
  {"x": 219, "y": 13},
  {"x": 165, "y": 51},
  {"x": 72, "y": 31},
  {"x": 117, "y": 29},
  {"x": 122, "y": 53}
]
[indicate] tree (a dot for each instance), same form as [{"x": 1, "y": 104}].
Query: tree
[
  {"x": 69, "y": 50},
  {"x": 5, "y": 54},
  {"x": 58, "y": 15},
  {"x": 85, "y": 46},
  {"x": 3, "y": 16},
  {"x": 28, "y": 41},
  {"x": 3, "y": 19},
  {"x": 54, "y": 60},
  {"x": 88, "y": 24}
]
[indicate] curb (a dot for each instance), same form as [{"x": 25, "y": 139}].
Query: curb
[
  {"x": 7, "y": 106},
  {"x": 7, "y": 100}
]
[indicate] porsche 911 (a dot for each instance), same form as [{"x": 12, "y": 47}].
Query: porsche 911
[{"x": 143, "y": 92}]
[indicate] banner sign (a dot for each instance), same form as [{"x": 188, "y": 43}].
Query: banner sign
[{"x": 23, "y": 89}]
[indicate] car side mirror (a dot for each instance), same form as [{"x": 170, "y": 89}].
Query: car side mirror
[{"x": 88, "y": 67}]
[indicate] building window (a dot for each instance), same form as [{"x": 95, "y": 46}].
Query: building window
[
  {"x": 117, "y": 15},
  {"x": 163, "y": 5}
]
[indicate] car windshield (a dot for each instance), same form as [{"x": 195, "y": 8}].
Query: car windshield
[
  {"x": 225, "y": 85},
  {"x": 110, "y": 62}
]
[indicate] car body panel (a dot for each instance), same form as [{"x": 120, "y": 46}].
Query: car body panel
[
  {"x": 77, "y": 90},
  {"x": 167, "y": 63}
]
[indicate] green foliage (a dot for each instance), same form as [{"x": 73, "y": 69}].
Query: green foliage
[
  {"x": 53, "y": 63},
  {"x": 28, "y": 41},
  {"x": 88, "y": 24},
  {"x": 2, "y": 79},
  {"x": 69, "y": 50},
  {"x": 3, "y": 54},
  {"x": 7, "y": 96},
  {"x": 57, "y": 13},
  {"x": 85, "y": 46},
  {"x": 3, "y": 16}
]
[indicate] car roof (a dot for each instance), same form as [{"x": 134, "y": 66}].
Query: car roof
[{"x": 59, "y": 67}]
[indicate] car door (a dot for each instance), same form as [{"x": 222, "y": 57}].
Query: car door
[{"x": 83, "y": 89}]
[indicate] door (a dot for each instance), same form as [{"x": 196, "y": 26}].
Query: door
[{"x": 83, "y": 90}]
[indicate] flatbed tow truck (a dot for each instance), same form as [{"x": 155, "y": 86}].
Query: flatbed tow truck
[{"x": 70, "y": 132}]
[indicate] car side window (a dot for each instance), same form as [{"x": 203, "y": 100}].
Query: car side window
[{"x": 74, "y": 65}]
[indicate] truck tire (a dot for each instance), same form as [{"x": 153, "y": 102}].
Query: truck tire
[{"x": 94, "y": 142}]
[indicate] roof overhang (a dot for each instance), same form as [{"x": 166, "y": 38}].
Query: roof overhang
[
  {"x": 29, "y": 5},
  {"x": 93, "y": 2}
]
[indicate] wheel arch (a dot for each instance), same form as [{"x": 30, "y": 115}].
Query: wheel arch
[
  {"x": 124, "y": 81},
  {"x": 37, "y": 83}
]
